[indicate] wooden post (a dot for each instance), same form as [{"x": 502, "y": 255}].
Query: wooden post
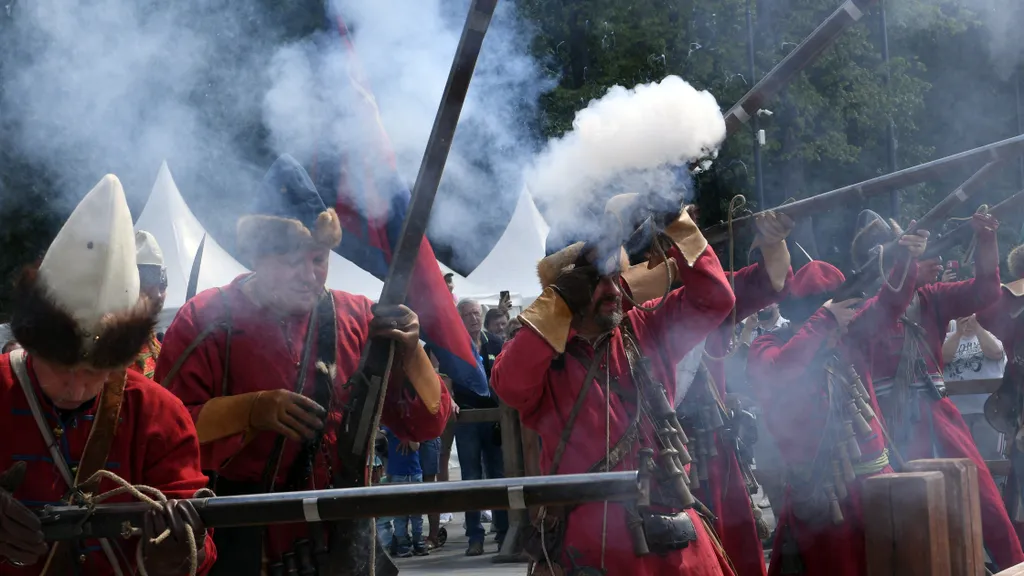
[
  {"x": 512, "y": 451},
  {"x": 905, "y": 523},
  {"x": 963, "y": 508}
]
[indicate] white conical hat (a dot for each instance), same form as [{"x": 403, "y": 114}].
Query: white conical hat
[
  {"x": 147, "y": 251},
  {"x": 90, "y": 269}
]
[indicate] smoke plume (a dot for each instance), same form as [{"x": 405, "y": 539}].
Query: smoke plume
[
  {"x": 630, "y": 140},
  {"x": 403, "y": 51}
]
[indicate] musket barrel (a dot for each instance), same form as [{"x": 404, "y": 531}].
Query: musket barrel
[
  {"x": 962, "y": 232},
  {"x": 109, "y": 521},
  {"x": 994, "y": 152}
]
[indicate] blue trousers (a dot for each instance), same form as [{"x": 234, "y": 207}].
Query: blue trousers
[
  {"x": 402, "y": 522},
  {"x": 479, "y": 453}
]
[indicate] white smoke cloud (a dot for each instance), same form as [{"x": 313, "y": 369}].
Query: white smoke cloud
[
  {"x": 405, "y": 51},
  {"x": 628, "y": 140}
]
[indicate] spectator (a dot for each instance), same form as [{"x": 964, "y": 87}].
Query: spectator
[
  {"x": 513, "y": 326},
  {"x": 496, "y": 323},
  {"x": 430, "y": 461},
  {"x": 385, "y": 526},
  {"x": 971, "y": 352},
  {"x": 404, "y": 468},
  {"x": 479, "y": 447},
  {"x": 449, "y": 279}
]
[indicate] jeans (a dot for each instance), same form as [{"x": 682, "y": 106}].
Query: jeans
[
  {"x": 402, "y": 522},
  {"x": 385, "y": 532},
  {"x": 478, "y": 453}
]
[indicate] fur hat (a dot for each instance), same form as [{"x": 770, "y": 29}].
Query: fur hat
[
  {"x": 290, "y": 215},
  {"x": 549, "y": 268},
  {"x": 811, "y": 286},
  {"x": 82, "y": 304}
]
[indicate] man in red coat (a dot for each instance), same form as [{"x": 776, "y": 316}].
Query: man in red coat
[
  {"x": 723, "y": 486},
  {"x": 813, "y": 382},
  {"x": 72, "y": 409},
  {"x": 261, "y": 364},
  {"x": 571, "y": 373},
  {"x": 152, "y": 282},
  {"x": 1004, "y": 409},
  {"x": 922, "y": 421}
]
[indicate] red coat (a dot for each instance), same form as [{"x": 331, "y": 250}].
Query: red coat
[
  {"x": 263, "y": 358},
  {"x": 155, "y": 445},
  {"x": 524, "y": 378},
  {"x": 939, "y": 303},
  {"x": 789, "y": 382},
  {"x": 725, "y": 492}
]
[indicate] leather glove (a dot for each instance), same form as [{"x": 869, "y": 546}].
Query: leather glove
[
  {"x": 398, "y": 323},
  {"x": 285, "y": 412},
  {"x": 21, "y": 535},
  {"x": 171, "y": 556},
  {"x": 576, "y": 287}
]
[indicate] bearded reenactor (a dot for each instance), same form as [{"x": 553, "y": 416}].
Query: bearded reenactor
[
  {"x": 72, "y": 409},
  {"x": 719, "y": 479},
  {"x": 1005, "y": 409},
  {"x": 922, "y": 421},
  {"x": 587, "y": 377},
  {"x": 813, "y": 382},
  {"x": 262, "y": 364},
  {"x": 152, "y": 283}
]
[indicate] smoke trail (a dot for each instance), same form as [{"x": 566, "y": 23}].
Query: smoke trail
[
  {"x": 628, "y": 140},
  {"x": 405, "y": 50}
]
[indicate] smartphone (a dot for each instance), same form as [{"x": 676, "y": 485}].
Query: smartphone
[{"x": 504, "y": 296}]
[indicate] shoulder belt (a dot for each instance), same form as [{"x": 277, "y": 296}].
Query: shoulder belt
[
  {"x": 224, "y": 323},
  {"x": 94, "y": 456}
]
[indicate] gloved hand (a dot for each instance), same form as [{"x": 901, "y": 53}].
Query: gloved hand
[
  {"x": 171, "y": 556},
  {"x": 398, "y": 323},
  {"x": 576, "y": 287},
  {"x": 285, "y": 412},
  {"x": 21, "y": 535}
]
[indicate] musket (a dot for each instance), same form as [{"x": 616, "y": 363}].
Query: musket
[
  {"x": 995, "y": 152},
  {"x": 123, "y": 520},
  {"x": 802, "y": 56},
  {"x": 368, "y": 385},
  {"x": 859, "y": 280},
  {"x": 946, "y": 241}
]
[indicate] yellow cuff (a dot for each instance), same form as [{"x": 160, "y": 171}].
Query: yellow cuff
[
  {"x": 550, "y": 317},
  {"x": 423, "y": 377},
  {"x": 687, "y": 236},
  {"x": 225, "y": 416},
  {"x": 646, "y": 284}
]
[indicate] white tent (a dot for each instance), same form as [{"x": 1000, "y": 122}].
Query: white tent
[
  {"x": 178, "y": 232},
  {"x": 512, "y": 263}
]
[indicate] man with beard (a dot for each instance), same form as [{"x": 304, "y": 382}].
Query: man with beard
[
  {"x": 71, "y": 408},
  {"x": 578, "y": 373},
  {"x": 806, "y": 378},
  {"x": 922, "y": 421},
  {"x": 261, "y": 364},
  {"x": 721, "y": 482},
  {"x": 152, "y": 283}
]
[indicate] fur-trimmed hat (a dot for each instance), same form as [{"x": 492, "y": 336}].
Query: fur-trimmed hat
[
  {"x": 82, "y": 304},
  {"x": 290, "y": 215},
  {"x": 811, "y": 286},
  {"x": 549, "y": 268},
  {"x": 872, "y": 230}
]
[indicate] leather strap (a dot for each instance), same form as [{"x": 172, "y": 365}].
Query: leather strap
[
  {"x": 588, "y": 381},
  {"x": 94, "y": 455},
  {"x": 228, "y": 326}
]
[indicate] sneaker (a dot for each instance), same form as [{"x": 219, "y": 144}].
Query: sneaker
[
  {"x": 420, "y": 549},
  {"x": 475, "y": 549},
  {"x": 404, "y": 553}
]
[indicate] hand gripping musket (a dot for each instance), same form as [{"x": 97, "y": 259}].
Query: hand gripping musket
[
  {"x": 1003, "y": 150},
  {"x": 962, "y": 233},
  {"x": 369, "y": 385},
  {"x": 859, "y": 280},
  {"x": 125, "y": 520}
]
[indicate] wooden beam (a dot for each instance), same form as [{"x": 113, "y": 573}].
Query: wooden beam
[
  {"x": 479, "y": 415},
  {"x": 906, "y": 530},
  {"x": 512, "y": 452},
  {"x": 963, "y": 507},
  {"x": 964, "y": 387}
]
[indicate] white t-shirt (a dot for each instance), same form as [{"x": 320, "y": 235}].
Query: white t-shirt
[{"x": 970, "y": 363}]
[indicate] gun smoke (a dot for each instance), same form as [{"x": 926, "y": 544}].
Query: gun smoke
[{"x": 629, "y": 140}]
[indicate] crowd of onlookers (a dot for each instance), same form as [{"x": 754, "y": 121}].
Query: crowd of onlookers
[{"x": 477, "y": 446}]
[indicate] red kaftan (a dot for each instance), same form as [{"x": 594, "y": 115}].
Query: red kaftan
[
  {"x": 523, "y": 376},
  {"x": 939, "y": 303},
  {"x": 789, "y": 381},
  {"x": 725, "y": 492},
  {"x": 265, "y": 355},
  {"x": 155, "y": 445}
]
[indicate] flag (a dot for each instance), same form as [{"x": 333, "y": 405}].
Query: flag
[{"x": 363, "y": 184}]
